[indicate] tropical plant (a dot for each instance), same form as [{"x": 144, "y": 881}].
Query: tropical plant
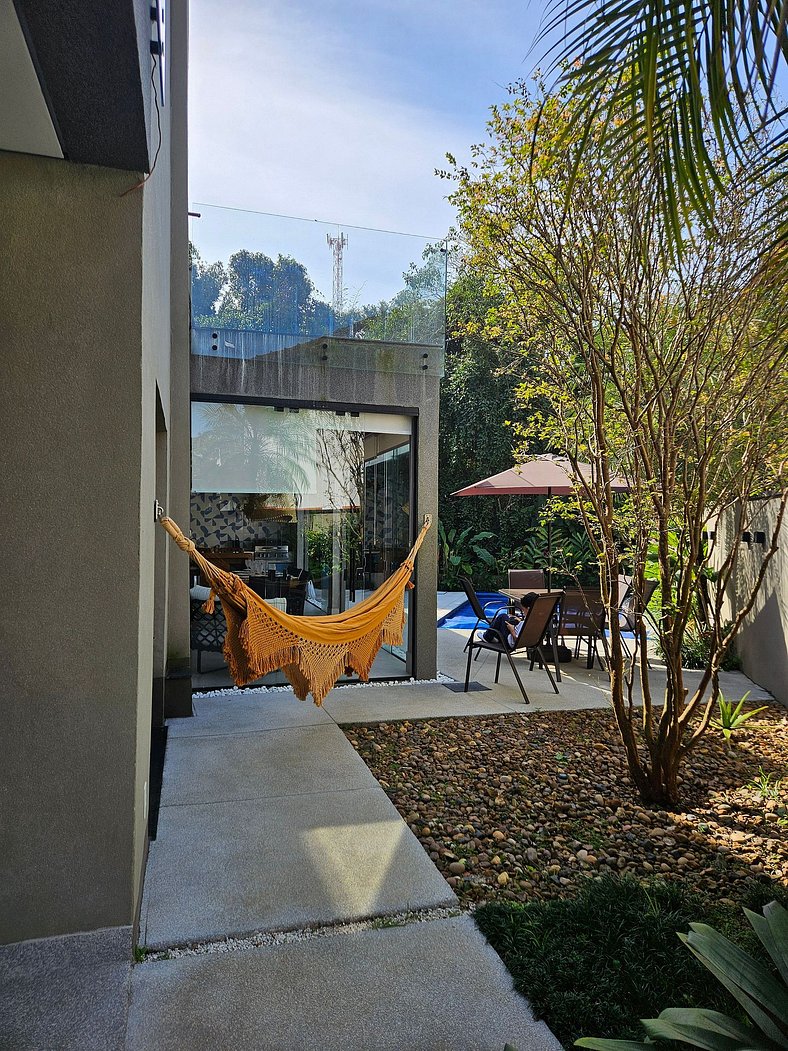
[
  {"x": 668, "y": 372},
  {"x": 574, "y": 560},
  {"x": 733, "y": 718},
  {"x": 696, "y": 647},
  {"x": 456, "y": 551},
  {"x": 762, "y": 993},
  {"x": 766, "y": 784},
  {"x": 320, "y": 548},
  {"x": 685, "y": 89}
]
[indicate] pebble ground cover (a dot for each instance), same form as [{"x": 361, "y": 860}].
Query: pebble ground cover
[{"x": 527, "y": 807}]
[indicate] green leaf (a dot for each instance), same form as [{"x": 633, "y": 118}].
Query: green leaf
[
  {"x": 760, "y": 994},
  {"x": 613, "y": 1045},
  {"x": 707, "y": 1029},
  {"x": 772, "y": 930}
]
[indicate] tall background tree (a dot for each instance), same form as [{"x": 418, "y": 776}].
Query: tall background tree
[
  {"x": 667, "y": 369},
  {"x": 254, "y": 291},
  {"x": 479, "y": 417}
]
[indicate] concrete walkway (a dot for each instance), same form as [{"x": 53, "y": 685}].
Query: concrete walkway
[
  {"x": 433, "y": 986},
  {"x": 270, "y": 822}
]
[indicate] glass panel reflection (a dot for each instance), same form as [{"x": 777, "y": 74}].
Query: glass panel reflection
[
  {"x": 310, "y": 507},
  {"x": 266, "y": 284}
]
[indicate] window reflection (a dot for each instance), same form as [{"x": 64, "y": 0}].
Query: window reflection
[{"x": 310, "y": 507}]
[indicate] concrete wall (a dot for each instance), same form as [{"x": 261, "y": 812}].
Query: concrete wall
[
  {"x": 762, "y": 643},
  {"x": 84, "y": 293},
  {"x": 69, "y": 669},
  {"x": 357, "y": 373},
  {"x": 177, "y": 497}
]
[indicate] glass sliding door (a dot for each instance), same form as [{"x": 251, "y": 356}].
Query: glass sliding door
[
  {"x": 311, "y": 507},
  {"x": 387, "y": 518}
]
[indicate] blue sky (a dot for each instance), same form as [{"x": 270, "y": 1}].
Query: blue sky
[{"x": 342, "y": 111}]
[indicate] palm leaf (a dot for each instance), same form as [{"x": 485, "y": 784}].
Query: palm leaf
[
  {"x": 707, "y": 1029},
  {"x": 772, "y": 930},
  {"x": 673, "y": 73},
  {"x": 759, "y": 993}
]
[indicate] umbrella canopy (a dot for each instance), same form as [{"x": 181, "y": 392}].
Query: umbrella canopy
[{"x": 543, "y": 476}]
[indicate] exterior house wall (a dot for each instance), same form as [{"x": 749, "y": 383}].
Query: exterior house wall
[
  {"x": 94, "y": 347},
  {"x": 360, "y": 373},
  {"x": 762, "y": 643},
  {"x": 72, "y": 415}
]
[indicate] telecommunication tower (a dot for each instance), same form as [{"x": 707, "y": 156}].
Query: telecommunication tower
[{"x": 337, "y": 245}]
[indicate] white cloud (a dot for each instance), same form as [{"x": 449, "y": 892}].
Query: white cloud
[{"x": 294, "y": 114}]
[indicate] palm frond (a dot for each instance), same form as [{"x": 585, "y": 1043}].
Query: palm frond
[{"x": 691, "y": 87}]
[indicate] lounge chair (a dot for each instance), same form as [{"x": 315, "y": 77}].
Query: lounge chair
[
  {"x": 531, "y": 637},
  {"x": 484, "y": 613},
  {"x": 632, "y": 607},
  {"x": 207, "y": 630}
]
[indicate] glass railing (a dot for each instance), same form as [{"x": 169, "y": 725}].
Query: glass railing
[{"x": 267, "y": 284}]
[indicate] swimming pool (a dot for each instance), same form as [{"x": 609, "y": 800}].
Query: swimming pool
[{"x": 463, "y": 616}]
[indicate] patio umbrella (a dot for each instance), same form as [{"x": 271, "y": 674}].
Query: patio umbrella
[{"x": 542, "y": 476}]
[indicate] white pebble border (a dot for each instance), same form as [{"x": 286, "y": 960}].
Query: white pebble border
[
  {"x": 263, "y": 939},
  {"x": 381, "y": 684}
]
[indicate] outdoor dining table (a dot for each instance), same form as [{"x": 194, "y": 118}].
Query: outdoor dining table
[{"x": 517, "y": 593}]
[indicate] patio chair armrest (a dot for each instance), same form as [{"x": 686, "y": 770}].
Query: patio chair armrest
[{"x": 495, "y": 602}]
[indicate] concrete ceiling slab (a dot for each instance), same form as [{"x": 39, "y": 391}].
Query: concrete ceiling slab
[{"x": 25, "y": 122}]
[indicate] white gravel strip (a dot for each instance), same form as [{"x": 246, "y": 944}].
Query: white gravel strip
[
  {"x": 381, "y": 684},
  {"x": 266, "y": 938}
]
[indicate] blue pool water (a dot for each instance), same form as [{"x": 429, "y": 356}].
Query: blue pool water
[{"x": 464, "y": 617}]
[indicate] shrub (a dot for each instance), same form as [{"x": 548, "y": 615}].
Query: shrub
[{"x": 594, "y": 965}]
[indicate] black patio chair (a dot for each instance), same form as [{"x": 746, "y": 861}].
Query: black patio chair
[
  {"x": 536, "y": 628},
  {"x": 207, "y": 630},
  {"x": 481, "y": 612},
  {"x": 526, "y": 578},
  {"x": 631, "y": 610},
  {"x": 583, "y": 618}
]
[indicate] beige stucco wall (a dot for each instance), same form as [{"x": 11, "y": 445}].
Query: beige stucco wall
[
  {"x": 762, "y": 643},
  {"x": 69, "y": 670},
  {"x": 85, "y": 304}
]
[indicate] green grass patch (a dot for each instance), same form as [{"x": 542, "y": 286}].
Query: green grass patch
[{"x": 595, "y": 964}]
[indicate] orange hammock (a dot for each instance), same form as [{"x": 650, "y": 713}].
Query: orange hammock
[{"x": 311, "y": 651}]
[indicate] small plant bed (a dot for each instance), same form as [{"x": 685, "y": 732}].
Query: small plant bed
[
  {"x": 524, "y": 807},
  {"x": 594, "y": 964},
  {"x": 580, "y": 888}
]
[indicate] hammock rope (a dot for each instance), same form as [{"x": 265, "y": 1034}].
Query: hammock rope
[{"x": 312, "y": 652}]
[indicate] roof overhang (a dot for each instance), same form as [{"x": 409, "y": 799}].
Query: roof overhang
[{"x": 75, "y": 80}]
